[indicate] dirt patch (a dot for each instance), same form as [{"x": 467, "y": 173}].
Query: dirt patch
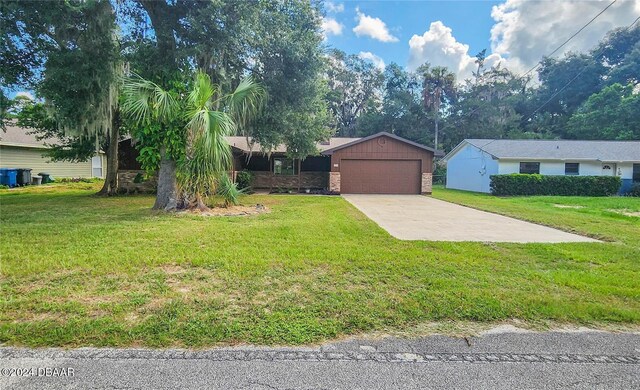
[
  {"x": 626, "y": 212},
  {"x": 231, "y": 211},
  {"x": 567, "y": 206},
  {"x": 172, "y": 269}
]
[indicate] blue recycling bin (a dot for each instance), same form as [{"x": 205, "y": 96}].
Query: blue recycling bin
[{"x": 9, "y": 177}]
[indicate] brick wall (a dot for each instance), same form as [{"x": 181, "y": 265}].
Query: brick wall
[
  {"x": 126, "y": 182},
  {"x": 334, "y": 182},
  {"x": 313, "y": 180},
  {"x": 427, "y": 180}
]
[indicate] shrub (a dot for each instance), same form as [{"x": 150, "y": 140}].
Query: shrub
[
  {"x": 139, "y": 178},
  {"x": 229, "y": 191},
  {"x": 440, "y": 174},
  {"x": 243, "y": 179},
  {"x": 525, "y": 184},
  {"x": 634, "y": 191},
  {"x": 78, "y": 179}
]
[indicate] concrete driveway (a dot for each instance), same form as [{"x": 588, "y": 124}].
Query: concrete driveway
[{"x": 416, "y": 217}]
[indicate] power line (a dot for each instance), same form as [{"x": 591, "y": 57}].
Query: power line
[
  {"x": 571, "y": 37},
  {"x": 571, "y": 81},
  {"x": 552, "y": 53}
]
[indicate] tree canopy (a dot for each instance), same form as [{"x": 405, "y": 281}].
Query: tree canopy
[{"x": 589, "y": 95}]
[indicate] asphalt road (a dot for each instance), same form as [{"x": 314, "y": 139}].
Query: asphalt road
[{"x": 554, "y": 360}]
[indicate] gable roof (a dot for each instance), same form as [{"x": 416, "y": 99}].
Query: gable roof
[
  {"x": 380, "y": 134},
  {"x": 246, "y": 145},
  {"x": 555, "y": 149},
  {"x": 22, "y": 137}
]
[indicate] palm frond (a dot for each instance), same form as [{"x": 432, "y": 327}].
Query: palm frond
[
  {"x": 144, "y": 101},
  {"x": 203, "y": 91},
  {"x": 229, "y": 190},
  {"x": 246, "y": 101}
]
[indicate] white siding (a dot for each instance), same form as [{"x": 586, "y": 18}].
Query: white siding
[
  {"x": 469, "y": 169},
  {"x": 19, "y": 157},
  {"x": 556, "y": 167},
  {"x": 625, "y": 170}
]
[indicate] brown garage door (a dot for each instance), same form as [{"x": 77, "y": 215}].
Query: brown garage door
[{"x": 380, "y": 176}]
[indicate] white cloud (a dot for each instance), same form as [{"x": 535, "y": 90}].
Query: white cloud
[
  {"x": 439, "y": 47},
  {"x": 527, "y": 30},
  {"x": 331, "y": 26},
  {"x": 372, "y": 27},
  {"x": 377, "y": 61},
  {"x": 330, "y": 6},
  {"x": 25, "y": 94},
  {"x": 524, "y": 32}
]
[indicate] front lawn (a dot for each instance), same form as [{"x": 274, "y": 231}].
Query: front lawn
[
  {"x": 79, "y": 270},
  {"x": 613, "y": 218}
]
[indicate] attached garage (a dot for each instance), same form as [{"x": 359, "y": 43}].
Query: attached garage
[
  {"x": 380, "y": 176},
  {"x": 381, "y": 164}
]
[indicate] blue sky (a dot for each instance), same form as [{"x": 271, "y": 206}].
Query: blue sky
[
  {"x": 470, "y": 20},
  {"x": 516, "y": 33}
]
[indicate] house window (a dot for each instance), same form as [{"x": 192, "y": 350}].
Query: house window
[
  {"x": 636, "y": 173},
  {"x": 96, "y": 166},
  {"x": 572, "y": 169},
  {"x": 530, "y": 167},
  {"x": 284, "y": 166}
]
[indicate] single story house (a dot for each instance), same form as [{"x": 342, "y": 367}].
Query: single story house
[
  {"x": 471, "y": 163},
  {"x": 382, "y": 163},
  {"x": 20, "y": 149}
]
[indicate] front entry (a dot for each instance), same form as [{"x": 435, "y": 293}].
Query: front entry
[
  {"x": 380, "y": 176},
  {"x": 608, "y": 169}
]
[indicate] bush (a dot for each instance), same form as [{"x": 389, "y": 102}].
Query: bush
[
  {"x": 440, "y": 174},
  {"x": 78, "y": 180},
  {"x": 243, "y": 179},
  {"x": 634, "y": 191},
  {"x": 229, "y": 191},
  {"x": 139, "y": 178},
  {"x": 524, "y": 184}
]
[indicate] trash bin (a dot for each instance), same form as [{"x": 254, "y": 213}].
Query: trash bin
[
  {"x": 36, "y": 180},
  {"x": 46, "y": 178},
  {"x": 24, "y": 176},
  {"x": 8, "y": 177}
]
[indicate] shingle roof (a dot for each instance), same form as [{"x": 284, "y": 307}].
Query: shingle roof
[
  {"x": 20, "y": 136},
  {"x": 246, "y": 146},
  {"x": 559, "y": 149}
]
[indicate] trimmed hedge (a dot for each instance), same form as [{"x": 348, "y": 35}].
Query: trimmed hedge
[{"x": 525, "y": 184}]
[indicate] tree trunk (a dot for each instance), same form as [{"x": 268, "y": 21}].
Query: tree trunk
[
  {"x": 436, "y": 136},
  {"x": 200, "y": 205},
  {"x": 299, "y": 174},
  {"x": 167, "y": 197},
  {"x": 110, "y": 186}
]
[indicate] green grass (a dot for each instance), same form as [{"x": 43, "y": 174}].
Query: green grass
[
  {"x": 604, "y": 218},
  {"x": 80, "y": 270}
]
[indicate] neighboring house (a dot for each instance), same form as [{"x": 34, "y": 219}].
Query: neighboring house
[
  {"x": 379, "y": 164},
  {"x": 19, "y": 149},
  {"x": 471, "y": 163}
]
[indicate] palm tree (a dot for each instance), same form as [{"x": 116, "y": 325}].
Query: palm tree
[
  {"x": 210, "y": 116},
  {"x": 438, "y": 85}
]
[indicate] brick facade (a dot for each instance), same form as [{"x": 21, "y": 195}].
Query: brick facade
[
  {"x": 334, "y": 181},
  {"x": 427, "y": 181},
  {"x": 310, "y": 180}
]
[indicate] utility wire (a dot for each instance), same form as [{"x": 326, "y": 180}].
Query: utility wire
[
  {"x": 570, "y": 81},
  {"x": 552, "y": 53},
  {"x": 571, "y": 37}
]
